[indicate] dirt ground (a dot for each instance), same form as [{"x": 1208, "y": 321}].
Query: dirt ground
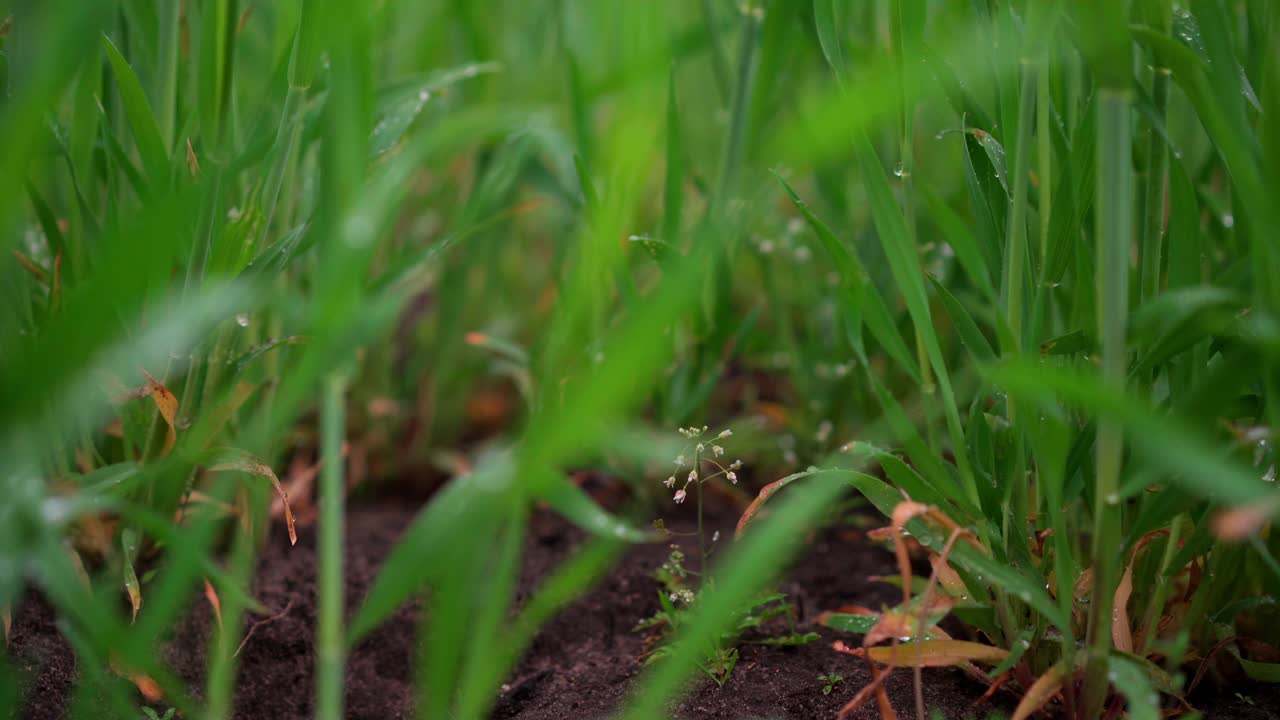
[{"x": 581, "y": 665}]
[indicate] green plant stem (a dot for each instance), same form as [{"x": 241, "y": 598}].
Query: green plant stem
[
  {"x": 702, "y": 540},
  {"x": 329, "y": 637},
  {"x": 1044, "y": 142},
  {"x": 166, "y": 91},
  {"x": 1016, "y": 237},
  {"x": 1161, "y": 591},
  {"x": 739, "y": 115},
  {"x": 1114, "y": 225},
  {"x": 902, "y": 46},
  {"x": 719, "y": 63},
  {"x": 1153, "y": 202}
]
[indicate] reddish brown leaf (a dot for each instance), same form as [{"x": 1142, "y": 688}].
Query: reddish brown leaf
[
  {"x": 1121, "y": 629},
  {"x": 167, "y": 405},
  {"x": 765, "y": 493},
  {"x": 211, "y": 595},
  {"x": 1040, "y": 692},
  {"x": 37, "y": 272},
  {"x": 146, "y": 685}
]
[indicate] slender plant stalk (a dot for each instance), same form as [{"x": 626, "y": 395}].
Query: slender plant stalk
[
  {"x": 166, "y": 91},
  {"x": 329, "y": 637},
  {"x": 1044, "y": 145},
  {"x": 1013, "y": 288},
  {"x": 702, "y": 541},
  {"x": 1157, "y": 169},
  {"x": 902, "y": 46},
  {"x": 719, "y": 61},
  {"x": 739, "y": 115},
  {"x": 1114, "y": 225}
]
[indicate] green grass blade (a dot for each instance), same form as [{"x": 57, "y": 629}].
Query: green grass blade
[{"x": 146, "y": 132}]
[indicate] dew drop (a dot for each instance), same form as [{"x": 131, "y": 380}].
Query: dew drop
[{"x": 242, "y": 319}]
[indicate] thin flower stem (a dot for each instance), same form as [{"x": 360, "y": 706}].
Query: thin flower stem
[{"x": 702, "y": 539}]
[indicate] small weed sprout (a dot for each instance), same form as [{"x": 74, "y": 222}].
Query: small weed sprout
[
  {"x": 829, "y": 682},
  {"x": 703, "y": 467},
  {"x": 150, "y": 714},
  {"x": 677, "y": 595}
]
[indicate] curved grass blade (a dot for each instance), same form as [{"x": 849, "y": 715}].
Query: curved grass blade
[{"x": 146, "y": 131}]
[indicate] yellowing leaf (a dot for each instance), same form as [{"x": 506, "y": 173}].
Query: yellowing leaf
[
  {"x": 146, "y": 685},
  {"x": 129, "y": 548},
  {"x": 936, "y": 653},
  {"x": 231, "y": 459},
  {"x": 167, "y": 405}
]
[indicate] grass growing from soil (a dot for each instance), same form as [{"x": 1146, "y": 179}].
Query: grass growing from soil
[{"x": 1005, "y": 270}]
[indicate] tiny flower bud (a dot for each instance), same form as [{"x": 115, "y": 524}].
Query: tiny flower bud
[
  {"x": 680, "y": 495},
  {"x": 671, "y": 481},
  {"x": 717, "y": 450},
  {"x": 693, "y": 475},
  {"x": 726, "y": 433},
  {"x": 733, "y": 477}
]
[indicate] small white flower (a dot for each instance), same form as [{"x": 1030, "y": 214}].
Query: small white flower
[
  {"x": 824, "y": 431},
  {"x": 715, "y": 536},
  {"x": 726, "y": 433},
  {"x": 680, "y": 496},
  {"x": 673, "y": 597},
  {"x": 693, "y": 475},
  {"x": 701, "y": 447},
  {"x": 735, "y": 465},
  {"x": 733, "y": 477},
  {"x": 717, "y": 450},
  {"x": 680, "y": 460},
  {"x": 671, "y": 481}
]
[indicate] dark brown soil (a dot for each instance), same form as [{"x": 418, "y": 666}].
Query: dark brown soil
[{"x": 582, "y": 664}]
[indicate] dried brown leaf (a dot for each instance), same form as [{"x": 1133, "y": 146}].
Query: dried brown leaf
[
  {"x": 1041, "y": 692},
  {"x": 242, "y": 462},
  {"x": 211, "y": 595},
  {"x": 167, "y": 404},
  {"x": 936, "y": 653}
]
